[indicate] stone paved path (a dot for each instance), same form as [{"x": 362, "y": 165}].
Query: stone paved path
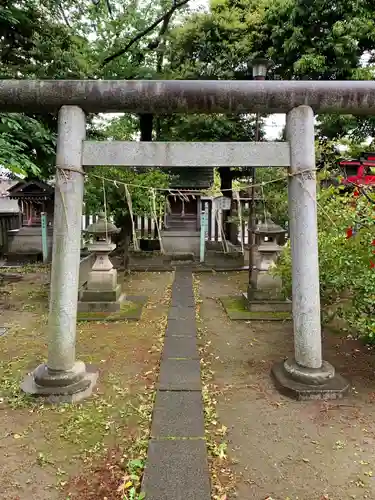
[{"x": 176, "y": 467}]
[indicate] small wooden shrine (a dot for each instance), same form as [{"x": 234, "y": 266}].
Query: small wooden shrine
[
  {"x": 182, "y": 222},
  {"x": 34, "y": 197}
]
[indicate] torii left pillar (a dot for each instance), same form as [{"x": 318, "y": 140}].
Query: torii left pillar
[{"x": 63, "y": 378}]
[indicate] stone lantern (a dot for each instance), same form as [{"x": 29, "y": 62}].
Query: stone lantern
[
  {"x": 102, "y": 292},
  {"x": 268, "y": 237},
  {"x": 263, "y": 294}
]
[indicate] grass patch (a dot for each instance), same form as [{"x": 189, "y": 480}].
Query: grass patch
[
  {"x": 79, "y": 430},
  {"x": 97, "y": 448},
  {"x": 237, "y": 310},
  {"x": 27, "y": 269}
]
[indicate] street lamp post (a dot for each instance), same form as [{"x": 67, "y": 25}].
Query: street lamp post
[{"x": 260, "y": 67}]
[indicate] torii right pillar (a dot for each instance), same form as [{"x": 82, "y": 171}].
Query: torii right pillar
[{"x": 307, "y": 375}]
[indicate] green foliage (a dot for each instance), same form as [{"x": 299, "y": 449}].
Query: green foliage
[
  {"x": 60, "y": 40},
  {"x": 115, "y": 194},
  {"x": 346, "y": 264},
  {"x": 26, "y": 145},
  {"x": 121, "y": 128},
  {"x": 208, "y": 128},
  {"x": 34, "y": 45},
  {"x": 305, "y": 40},
  {"x": 274, "y": 194}
]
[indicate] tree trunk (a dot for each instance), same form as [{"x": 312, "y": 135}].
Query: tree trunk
[{"x": 146, "y": 125}]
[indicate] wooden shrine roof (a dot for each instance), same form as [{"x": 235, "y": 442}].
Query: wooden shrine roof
[{"x": 29, "y": 190}]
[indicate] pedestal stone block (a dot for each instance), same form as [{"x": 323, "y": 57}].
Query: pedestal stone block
[
  {"x": 270, "y": 306},
  {"x": 101, "y": 295},
  {"x": 102, "y": 280},
  {"x": 264, "y": 301},
  {"x": 102, "y": 306},
  {"x": 262, "y": 280}
]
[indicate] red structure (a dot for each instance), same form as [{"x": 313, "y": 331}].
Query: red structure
[{"x": 359, "y": 172}]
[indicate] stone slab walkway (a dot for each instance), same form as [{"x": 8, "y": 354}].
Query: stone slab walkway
[{"x": 177, "y": 467}]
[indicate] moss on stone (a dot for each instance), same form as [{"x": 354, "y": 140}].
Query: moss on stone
[
  {"x": 237, "y": 304},
  {"x": 236, "y": 309},
  {"x": 128, "y": 311}
]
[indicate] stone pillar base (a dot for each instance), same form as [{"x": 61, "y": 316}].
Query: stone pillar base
[
  {"x": 305, "y": 384},
  {"x": 68, "y": 386}
]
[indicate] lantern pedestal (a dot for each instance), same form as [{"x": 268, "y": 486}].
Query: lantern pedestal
[
  {"x": 101, "y": 300},
  {"x": 267, "y": 307},
  {"x": 102, "y": 293}
]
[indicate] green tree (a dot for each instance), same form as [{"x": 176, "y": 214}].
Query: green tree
[
  {"x": 25, "y": 144},
  {"x": 34, "y": 45},
  {"x": 62, "y": 39},
  {"x": 315, "y": 40}
]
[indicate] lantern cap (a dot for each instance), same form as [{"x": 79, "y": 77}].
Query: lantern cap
[
  {"x": 268, "y": 228},
  {"x": 102, "y": 226},
  {"x": 261, "y": 60}
]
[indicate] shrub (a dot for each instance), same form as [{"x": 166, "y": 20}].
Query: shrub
[{"x": 346, "y": 231}]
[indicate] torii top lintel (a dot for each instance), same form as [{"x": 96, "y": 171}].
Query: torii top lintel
[{"x": 188, "y": 96}]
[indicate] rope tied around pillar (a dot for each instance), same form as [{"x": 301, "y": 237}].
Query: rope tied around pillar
[
  {"x": 64, "y": 172},
  {"x": 67, "y": 168}
]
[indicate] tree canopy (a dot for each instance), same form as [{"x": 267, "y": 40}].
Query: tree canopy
[
  {"x": 65, "y": 40},
  {"x": 167, "y": 39}
]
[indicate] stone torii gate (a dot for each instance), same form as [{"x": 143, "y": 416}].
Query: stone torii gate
[{"x": 307, "y": 375}]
